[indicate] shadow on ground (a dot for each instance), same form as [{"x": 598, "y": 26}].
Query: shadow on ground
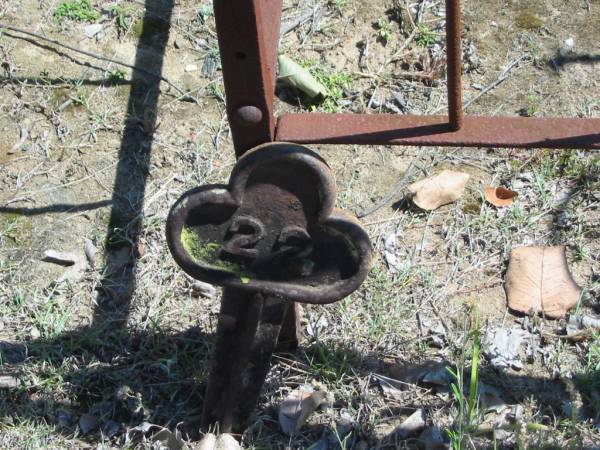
[{"x": 128, "y": 377}]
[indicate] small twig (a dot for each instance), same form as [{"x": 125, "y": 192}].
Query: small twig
[
  {"x": 503, "y": 76},
  {"x": 404, "y": 181},
  {"x": 91, "y": 55}
]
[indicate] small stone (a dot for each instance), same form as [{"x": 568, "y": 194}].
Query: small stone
[
  {"x": 191, "y": 68},
  {"x": 569, "y": 42},
  {"x": 413, "y": 424},
  {"x": 64, "y": 418},
  {"x": 176, "y": 44},
  {"x": 60, "y": 258},
  {"x": 8, "y": 381},
  {"x": 202, "y": 289},
  {"x": 90, "y": 251},
  {"x": 35, "y": 333},
  {"x": 433, "y": 439},
  {"x": 93, "y": 30},
  {"x": 111, "y": 428},
  {"x": 87, "y": 423}
]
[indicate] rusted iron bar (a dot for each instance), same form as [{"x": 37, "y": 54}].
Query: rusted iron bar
[
  {"x": 454, "y": 64},
  {"x": 477, "y": 131},
  {"x": 248, "y": 32},
  {"x": 247, "y": 333}
]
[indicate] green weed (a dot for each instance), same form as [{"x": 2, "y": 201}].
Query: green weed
[
  {"x": 467, "y": 404},
  {"x": 425, "y": 36},
  {"x": 79, "y": 10},
  {"x": 384, "y": 28},
  {"x": 334, "y": 82},
  {"x": 122, "y": 16}
]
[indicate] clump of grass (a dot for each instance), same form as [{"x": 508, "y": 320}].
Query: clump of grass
[
  {"x": 79, "y": 10},
  {"x": 425, "y": 36},
  {"x": 122, "y": 16},
  {"x": 467, "y": 404},
  {"x": 384, "y": 28},
  {"x": 330, "y": 364},
  {"x": 527, "y": 20},
  {"x": 334, "y": 82}
]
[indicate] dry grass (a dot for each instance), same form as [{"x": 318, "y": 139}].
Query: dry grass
[{"x": 106, "y": 152}]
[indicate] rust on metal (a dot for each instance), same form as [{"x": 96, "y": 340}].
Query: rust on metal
[
  {"x": 273, "y": 229},
  {"x": 248, "y": 32},
  {"x": 271, "y": 237},
  {"x": 477, "y": 131},
  {"x": 247, "y": 333},
  {"x": 454, "y": 64}
]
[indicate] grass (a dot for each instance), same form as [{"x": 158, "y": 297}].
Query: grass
[
  {"x": 78, "y": 10},
  {"x": 146, "y": 358},
  {"x": 425, "y": 36},
  {"x": 334, "y": 82},
  {"x": 384, "y": 29},
  {"x": 467, "y": 415}
]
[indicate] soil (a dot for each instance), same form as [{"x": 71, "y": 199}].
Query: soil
[{"x": 92, "y": 151}]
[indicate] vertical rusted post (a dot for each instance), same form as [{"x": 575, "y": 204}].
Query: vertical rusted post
[
  {"x": 454, "y": 64},
  {"x": 248, "y": 329},
  {"x": 248, "y": 32}
]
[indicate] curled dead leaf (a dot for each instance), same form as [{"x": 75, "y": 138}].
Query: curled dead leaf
[
  {"x": 298, "y": 406},
  {"x": 538, "y": 280},
  {"x": 438, "y": 190},
  {"x": 499, "y": 196}
]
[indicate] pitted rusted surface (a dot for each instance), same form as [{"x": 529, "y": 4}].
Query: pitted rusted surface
[{"x": 273, "y": 229}]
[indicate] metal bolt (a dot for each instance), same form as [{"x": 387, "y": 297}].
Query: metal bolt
[{"x": 249, "y": 115}]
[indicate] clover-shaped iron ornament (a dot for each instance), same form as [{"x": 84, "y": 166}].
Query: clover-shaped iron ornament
[{"x": 273, "y": 229}]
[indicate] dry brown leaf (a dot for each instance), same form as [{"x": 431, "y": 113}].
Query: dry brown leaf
[
  {"x": 438, "y": 190},
  {"x": 499, "y": 196},
  {"x": 297, "y": 406},
  {"x": 538, "y": 280}
]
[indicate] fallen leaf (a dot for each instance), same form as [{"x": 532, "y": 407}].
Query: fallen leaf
[
  {"x": 438, "y": 190},
  {"x": 300, "y": 78},
  {"x": 499, "y": 196},
  {"x": 538, "y": 280},
  {"x": 298, "y": 406}
]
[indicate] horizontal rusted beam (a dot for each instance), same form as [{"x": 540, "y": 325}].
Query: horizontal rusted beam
[{"x": 477, "y": 131}]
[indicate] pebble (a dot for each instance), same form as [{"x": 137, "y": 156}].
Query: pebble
[
  {"x": 569, "y": 42},
  {"x": 87, "y": 423},
  {"x": 94, "y": 30},
  {"x": 202, "y": 289},
  {"x": 191, "y": 68}
]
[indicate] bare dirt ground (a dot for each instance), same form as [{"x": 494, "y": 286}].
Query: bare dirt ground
[{"x": 93, "y": 154}]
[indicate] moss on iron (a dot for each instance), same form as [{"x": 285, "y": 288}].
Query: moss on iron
[
  {"x": 198, "y": 249},
  {"x": 208, "y": 252}
]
